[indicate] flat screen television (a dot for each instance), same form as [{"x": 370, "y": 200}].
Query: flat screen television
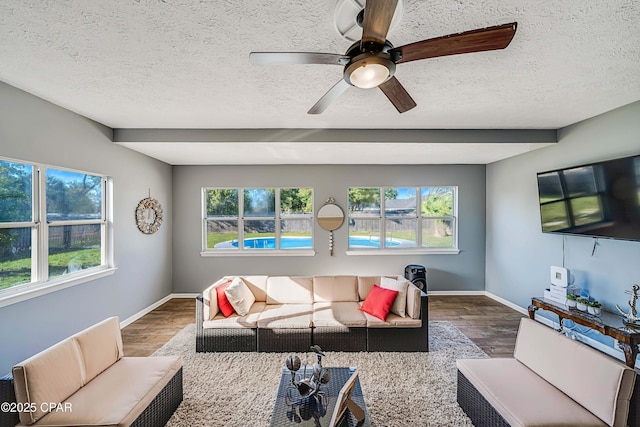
[{"x": 599, "y": 199}]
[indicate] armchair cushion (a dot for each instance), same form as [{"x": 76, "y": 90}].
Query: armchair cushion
[
  {"x": 35, "y": 381},
  {"x": 100, "y": 346}
]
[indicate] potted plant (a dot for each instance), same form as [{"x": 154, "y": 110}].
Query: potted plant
[
  {"x": 571, "y": 300},
  {"x": 594, "y": 307},
  {"x": 581, "y": 304}
]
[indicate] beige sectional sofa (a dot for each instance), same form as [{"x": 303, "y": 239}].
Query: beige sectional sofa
[
  {"x": 85, "y": 380},
  {"x": 551, "y": 381},
  {"x": 293, "y": 313}
]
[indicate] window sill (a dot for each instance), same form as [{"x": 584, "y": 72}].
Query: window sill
[
  {"x": 32, "y": 290},
  {"x": 417, "y": 251},
  {"x": 257, "y": 252}
]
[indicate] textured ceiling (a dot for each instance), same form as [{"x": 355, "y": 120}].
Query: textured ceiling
[{"x": 184, "y": 63}]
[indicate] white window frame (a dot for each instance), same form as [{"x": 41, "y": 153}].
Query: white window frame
[
  {"x": 40, "y": 283},
  {"x": 241, "y": 218},
  {"x": 419, "y": 217}
]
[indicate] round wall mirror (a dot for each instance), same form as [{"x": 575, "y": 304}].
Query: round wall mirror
[{"x": 330, "y": 217}]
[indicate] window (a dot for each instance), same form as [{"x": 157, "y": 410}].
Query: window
[
  {"x": 402, "y": 218},
  {"x": 53, "y": 225},
  {"x": 257, "y": 220}
]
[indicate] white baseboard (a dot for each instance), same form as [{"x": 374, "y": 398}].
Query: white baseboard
[
  {"x": 507, "y": 303},
  {"x": 185, "y": 295},
  {"x": 153, "y": 306}
]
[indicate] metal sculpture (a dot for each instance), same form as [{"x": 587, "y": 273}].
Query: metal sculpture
[
  {"x": 631, "y": 317},
  {"x": 308, "y": 386}
]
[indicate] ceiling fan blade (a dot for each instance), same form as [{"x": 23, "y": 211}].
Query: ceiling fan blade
[
  {"x": 276, "y": 58},
  {"x": 377, "y": 18},
  {"x": 398, "y": 95},
  {"x": 329, "y": 97},
  {"x": 480, "y": 40}
]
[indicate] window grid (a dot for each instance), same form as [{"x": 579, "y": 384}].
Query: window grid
[
  {"x": 242, "y": 219},
  {"x": 40, "y": 228},
  {"x": 386, "y": 241}
]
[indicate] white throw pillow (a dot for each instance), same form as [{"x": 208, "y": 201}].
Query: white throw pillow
[
  {"x": 400, "y": 304},
  {"x": 240, "y": 296}
]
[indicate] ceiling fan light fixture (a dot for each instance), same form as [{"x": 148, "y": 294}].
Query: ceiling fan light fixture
[
  {"x": 369, "y": 75},
  {"x": 369, "y": 71}
]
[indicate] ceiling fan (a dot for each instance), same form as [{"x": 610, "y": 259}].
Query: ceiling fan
[{"x": 371, "y": 62}]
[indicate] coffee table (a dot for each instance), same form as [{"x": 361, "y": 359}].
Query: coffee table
[{"x": 290, "y": 410}]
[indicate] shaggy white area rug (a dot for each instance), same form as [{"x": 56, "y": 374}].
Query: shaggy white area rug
[{"x": 400, "y": 389}]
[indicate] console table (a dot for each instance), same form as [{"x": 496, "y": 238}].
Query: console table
[
  {"x": 609, "y": 324},
  {"x": 289, "y": 410}
]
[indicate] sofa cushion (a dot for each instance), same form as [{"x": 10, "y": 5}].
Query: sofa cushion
[
  {"x": 606, "y": 389},
  {"x": 240, "y": 296},
  {"x": 379, "y": 302},
  {"x": 210, "y": 299},
  {"x": 414, "y": 301},
  {"x": 235, "y": 321},
  {"x": 100, "y": 347},
  {"x": 522, "y": 397},
  {"x": 393, "y": 321},
  {"x": 258, "y": 286},
  {"x": 223, "y": 302},
  {"x": 118, "y": 395},
  {"x": 286, "y": 316},
  {"x": 335, "y": 288},
  {"x": 365, "y": 283},
  {"x": 50, "y": 376},
  {"x": 336, "y": 314},
  {"x": 289, "y": 290},
  {"x": 399, "y": 306}
]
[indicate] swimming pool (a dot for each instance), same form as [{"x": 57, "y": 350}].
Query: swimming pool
[{"x": 303, "y": 242}]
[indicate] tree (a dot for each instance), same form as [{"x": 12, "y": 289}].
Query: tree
[
  {"x": 71, "y": 198},
  {"x": 15, "y": 192},
  {"x": 222, "y": 202},
  {"x": 439, "y": 202},
  {"x": 360, "y": 198},
  {"x": 296, "y": 200},
  {"x": 15, "y": 205},
  {"x": 391, "y": 193}
]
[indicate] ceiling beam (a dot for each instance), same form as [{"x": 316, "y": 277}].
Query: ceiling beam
[{"x": 449, "y": 136}]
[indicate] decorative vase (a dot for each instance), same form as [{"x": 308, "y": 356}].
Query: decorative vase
[
  {"x": 596, "y": 311},
  {"x": 581, "y": 306},
  {"x": 571, "y": 303}
]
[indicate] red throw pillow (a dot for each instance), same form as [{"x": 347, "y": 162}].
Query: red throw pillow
[
  {"x": 379, "y": 302},
  {"x": 223, "y": 303}
]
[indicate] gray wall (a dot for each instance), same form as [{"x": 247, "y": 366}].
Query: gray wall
[
  {"x": 34, "y": 130},
  {"x": 519, "y": 254},
  {"x": 464, "y": 271}
]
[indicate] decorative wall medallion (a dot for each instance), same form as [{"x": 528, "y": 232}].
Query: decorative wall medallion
[{"x": 148, "y": 215}]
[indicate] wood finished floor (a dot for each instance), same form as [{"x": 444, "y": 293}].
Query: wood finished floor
[{"x": 489, "y": 324}]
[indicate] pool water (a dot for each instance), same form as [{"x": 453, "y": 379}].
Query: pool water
[{"x": 293, "y": 242}]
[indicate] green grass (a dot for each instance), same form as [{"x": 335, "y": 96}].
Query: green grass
[{"x": 18, "y": 271}]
